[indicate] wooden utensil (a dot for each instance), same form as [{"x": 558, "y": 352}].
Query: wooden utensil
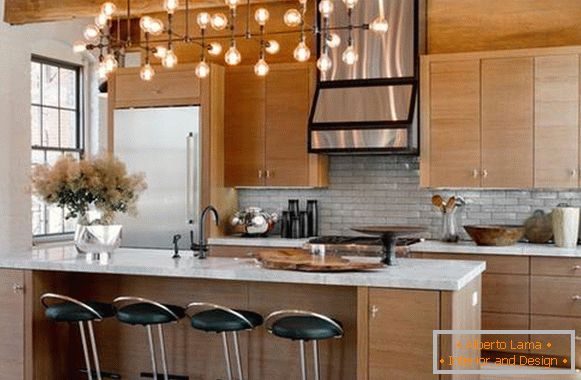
[
  {"x": 439, "y": 202},
  {"x": 451, "y": 204}
]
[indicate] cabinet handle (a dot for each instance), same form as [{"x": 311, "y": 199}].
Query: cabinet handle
[
  {"x": 485, "y": 173},
  {"x": 269, "y": 173},
  {"x": 573, "y": 173},
  {"x": 577, "y": 337},
  {"x": 475, "y": 173},
  {"x": 576, "y": 298},
  {"x": 17, "y": 288},
  {"x": 260, "y": 174},
  {"x": 374, "y": 310},
  {"x": 576, "y": 267}
]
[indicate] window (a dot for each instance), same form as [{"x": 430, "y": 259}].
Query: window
[{"x": 55, "y": 130}]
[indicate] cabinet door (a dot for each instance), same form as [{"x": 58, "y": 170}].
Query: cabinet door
[
  {"x": 556, "y": 121},
  {"x": 288, "y": 102},
  {"x": 11, "y": 325},
  {"x": 400, "y": 333},
  {"x": 507, "y": 123},
  {"x": 244, "y": 132},
  {"x": 455, "y": 124}
]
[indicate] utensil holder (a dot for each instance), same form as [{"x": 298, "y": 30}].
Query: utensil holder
[
  {"x": 566, "y": 226},
  {"x": 449, "y": 232}
]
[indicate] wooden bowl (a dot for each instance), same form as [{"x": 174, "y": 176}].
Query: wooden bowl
[{"x": 495, "y": 235}]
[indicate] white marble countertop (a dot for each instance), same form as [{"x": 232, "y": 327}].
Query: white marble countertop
[
  {"x": 270, "y": 242},
  {"x": 447, "y": 275},
  {"x": 519, "y": 249}
]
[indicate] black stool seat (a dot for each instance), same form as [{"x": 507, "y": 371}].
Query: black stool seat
[
  {"x": 305, "y": 328},
  {"x": 148, "y": 314},
  {"x": 217, "y": 320},
  {"x": 71, "y": 312}
]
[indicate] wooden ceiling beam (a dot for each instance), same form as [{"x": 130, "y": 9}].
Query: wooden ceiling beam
[{"x": 18, "y": 12}]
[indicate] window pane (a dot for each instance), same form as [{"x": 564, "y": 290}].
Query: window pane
[
  {"x": 68, "y": 88},
  {"x": 37, "y": 157},
  {"x": 70, "y": 224},
  {"x": 35, "y": 127},
  {"x": 51, "y": 157},
  {"x": 35, "y": 82},
  {"x": 55, "y": 223},
  {"x": 68, "y": 129},
  {"x": 50, "y": 85},
  {"x": 50, "y": 127},
  {"x": 37, "y": 217}
]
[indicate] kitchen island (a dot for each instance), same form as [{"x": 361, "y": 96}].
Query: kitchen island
[{"x": 388, "y": 314}]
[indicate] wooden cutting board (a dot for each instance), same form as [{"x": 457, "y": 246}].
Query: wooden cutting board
[{"x": 304, "y": 262}]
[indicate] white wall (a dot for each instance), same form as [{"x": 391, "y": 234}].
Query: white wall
[{"x": 17, "y": 43}]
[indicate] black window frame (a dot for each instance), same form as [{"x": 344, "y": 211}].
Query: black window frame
[{"x": 79, "y": 148}]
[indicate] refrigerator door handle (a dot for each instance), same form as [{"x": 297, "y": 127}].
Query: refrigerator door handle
[{"x": 191, "y": 190}]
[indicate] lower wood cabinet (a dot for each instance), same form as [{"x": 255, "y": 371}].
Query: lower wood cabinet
[
  {"x": 560, "y": 296},
  {"x": 12, "y": 322},
  {"x": 504, "y": 293}
]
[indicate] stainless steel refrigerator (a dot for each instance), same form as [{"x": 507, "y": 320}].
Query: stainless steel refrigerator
[{"x": 163, "y": 143}]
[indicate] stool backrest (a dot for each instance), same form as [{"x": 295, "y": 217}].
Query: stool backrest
[
  {"x": 131, "y": 300},
  {"x": 210, "y": 306},
  {"x": 52, "y": 296},
  {"x": 273, "y": 317}
]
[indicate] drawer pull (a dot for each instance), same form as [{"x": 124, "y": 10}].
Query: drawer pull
[
  {"x": 577, "y": 337},
  {"x": 576, "y": 298},
  {"x": 576, "y": 267}
]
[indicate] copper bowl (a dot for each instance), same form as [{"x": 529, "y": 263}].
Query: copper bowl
[{"x": 495, "y": 235}]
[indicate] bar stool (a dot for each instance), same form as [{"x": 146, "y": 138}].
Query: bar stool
[
  {"x": 304, "y": 326},
  {"x": 148, "y": 313},
  {"x": 221, "y": 320},
  {"x": 74, "y": 311}
]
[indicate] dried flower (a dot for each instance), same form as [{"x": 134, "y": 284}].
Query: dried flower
[{"x": 101, "y": 182}]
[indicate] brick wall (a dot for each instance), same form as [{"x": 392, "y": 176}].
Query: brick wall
[{"x": 385, "y": 190}]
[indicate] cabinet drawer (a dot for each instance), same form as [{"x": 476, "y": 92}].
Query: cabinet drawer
[
  {"x": 556, "y": 266},
  {"x": 503, "y": 293},
  {"x": 556, "y": 296},
  {"x": 494, "y": 264},
  {"x": 561, "y": 344},
  {"x": 502, "y": 321},
  {"x": 168, "y": 88}
]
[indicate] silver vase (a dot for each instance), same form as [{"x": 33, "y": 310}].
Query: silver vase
[{"x": 97, "y": 239}]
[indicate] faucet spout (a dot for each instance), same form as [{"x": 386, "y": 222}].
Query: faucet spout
[{"x": 202, "y": 246}]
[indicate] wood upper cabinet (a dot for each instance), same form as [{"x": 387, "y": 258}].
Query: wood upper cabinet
[
  {"x": 454, "y": 115},
  {"x": 12, "y": 324},
  {"x": 556, "y": 121},
  {"x": 266, "y": 128},
  {"x": 507, "y": 122}
]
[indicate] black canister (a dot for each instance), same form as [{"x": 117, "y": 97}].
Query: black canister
[
  {"x": 313, "y": 218},
  {"x": 285, "y": 231},
  {"x": 304, "y": 224},
  {"x": 295, "y": 228},
  {"x": 293, "y": 208}
]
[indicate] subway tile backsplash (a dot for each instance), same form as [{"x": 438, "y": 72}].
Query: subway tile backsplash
[{"x": 370, "y": 190}]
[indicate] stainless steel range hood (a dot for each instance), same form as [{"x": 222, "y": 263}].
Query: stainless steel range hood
[{"x": 371, "y": 107}]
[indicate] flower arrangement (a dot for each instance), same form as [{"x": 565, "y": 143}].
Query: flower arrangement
[{"x": 78, "y": 185}]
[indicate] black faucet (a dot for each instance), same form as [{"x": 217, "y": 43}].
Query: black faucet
[{"x": 202, "y": 246}]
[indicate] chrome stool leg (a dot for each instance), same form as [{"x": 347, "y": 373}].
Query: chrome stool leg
[
  {"x": 238, "y": 359},
  {"x": 86, "y": 351},
  {"x": 94, "y": 349},
  {"x": 316, "y": 360},
  {"x": 303, "y": 360},
  {"x": 163, "y": 354},
  {"x": 151, "y": 351},
  {"x": 227, "y": 356}
]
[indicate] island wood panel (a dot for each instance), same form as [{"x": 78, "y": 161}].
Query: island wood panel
[
  {"x": 244, "y": 119},
  {"x": 242, "y": 251},
  {"x": 556, "y": 266},
  {"x": 12, "y": 325},
  {"x": 287, "y": 114},
  {"x": 505, "y": 321},
  {"x": 504, "y": 293},
  {"x": 556, "y": 296},
  {"x": 556, "y": 121},
  {"x": 481, "y": 25},
  {"x": 507, "y": 123},
  {"x": 454, "y": 129}
]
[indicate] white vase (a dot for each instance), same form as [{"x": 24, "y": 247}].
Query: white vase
[
  {"x": 96, "y": 239},
  {"x": 566, "y": 226}
]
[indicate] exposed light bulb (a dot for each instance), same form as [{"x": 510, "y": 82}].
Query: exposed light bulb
[
  {"x": 214, "y": 48},
  {"x": 155, "y": 27},
  {"x": 350, "y": 56},
  {"x": 350, "y": 4},
  {"x": 333, "y": 41},
  {"x": 159, "y": 52},
  {"x": 379, "y": 25},
  {"x": 292, "y": 18},
  {"x": 219, "y": 21},
  {"x": 110, "y": 63},
  {"x": 232, "y": 56},
  {"x": 102, "y": 70},
  {"x": 326, "y": 7},
  {"x": 171, "y": 5},
  {"x": 324, "y": 63},
  {"x": 147, "y": 73},
  {"x": 202, "y": 70},
  {"x": 231, "y": 3},
  {"x": 91, "y": 33},
  {"x": 101, "y": 20},
  {"x": 272, "y": 47},
  {"x": 108, "y": 9},
  {"x": 79, "y": 47},
  {"x": 144, "y": 23},
  {"x": 261, "y": 16},
  {"x": 261, "y": 68},
  {"x": 302, "y": 52},
  {"x": 170, "y": 60},
  {"x": 203, "y": 20}
]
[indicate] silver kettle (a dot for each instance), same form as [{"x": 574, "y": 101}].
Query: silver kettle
[{"x": 254, "y": 222}]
